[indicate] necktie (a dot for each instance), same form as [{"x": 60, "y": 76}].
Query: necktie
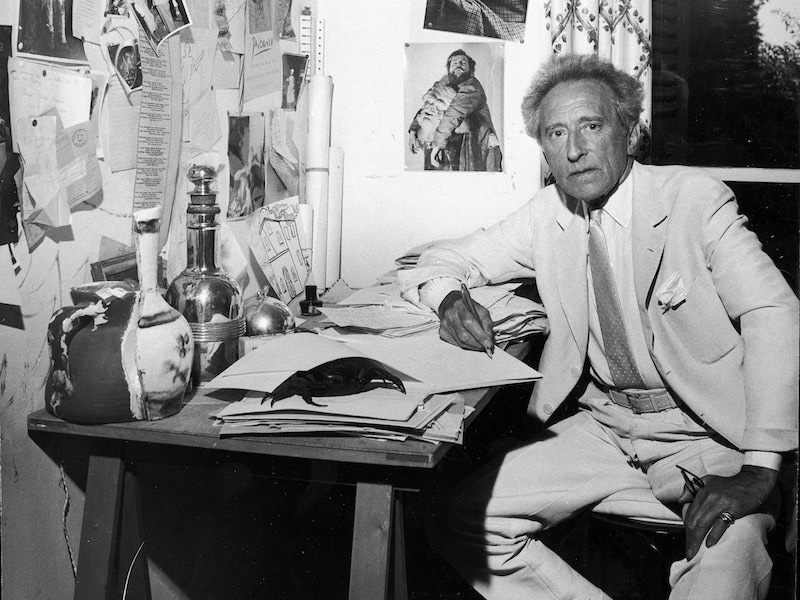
[{"x": 615, "y": 338}]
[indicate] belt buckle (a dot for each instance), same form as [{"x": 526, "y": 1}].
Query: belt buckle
[{"x": 641, "y": 403}]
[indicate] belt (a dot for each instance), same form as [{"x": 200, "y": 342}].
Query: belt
[{"x": 643, "y": 401}]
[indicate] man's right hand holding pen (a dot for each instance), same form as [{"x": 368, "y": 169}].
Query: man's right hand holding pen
[{"x": 465, "y": 323}]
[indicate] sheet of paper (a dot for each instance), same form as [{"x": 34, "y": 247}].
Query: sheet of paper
[
  {"x": 119, "y": 132},
  {"x": 61, "y": 168},
  {"x": 200, "y": 123},
  {"x": 385, "y": 404},
  {"x": 423, "y": 362},
  {"x": 378, "y": 318},
  {"x": 36, "y": 87},
  {"x": 269, "y": 365},
  {"x": 77, "y": 163},
  {"x": 236, "y": 14},
  {"x": 87, "y": 19},
  {"x": 159, "y": 131},
  {"x": 376, "y": 412},
  {"x": 227, "y": 70},
  {"x": 262, "y": 58},
  {"x": 440, "y": 366}
]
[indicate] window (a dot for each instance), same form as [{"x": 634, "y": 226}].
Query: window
[{"x": 726, "y": 97}]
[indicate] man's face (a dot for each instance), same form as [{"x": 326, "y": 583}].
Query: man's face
[
  {"x": 583, "y": 141},
  {"x": 458, "y": 68}
]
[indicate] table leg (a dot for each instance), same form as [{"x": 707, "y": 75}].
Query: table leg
[
  {"x": 133, "y": 571},
  {"x": 99, "y": 532},
  {"x": 399, "y": 563},
  {"x": 111, "y": 521},
  {"x": 372, "y": 535}
]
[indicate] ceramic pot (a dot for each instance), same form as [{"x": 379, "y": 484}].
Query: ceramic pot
[{"x": 120, "y": 354}]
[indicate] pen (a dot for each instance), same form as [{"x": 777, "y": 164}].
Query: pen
[{"x": 474, "y": 312}]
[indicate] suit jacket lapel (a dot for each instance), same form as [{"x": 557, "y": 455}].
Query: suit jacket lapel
[
  {"x": 571, "y": 250},
  {"x": 649, "y": 229}
]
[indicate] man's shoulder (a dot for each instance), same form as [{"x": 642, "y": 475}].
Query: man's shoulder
[
  {"x": 677, "y": 174},
  {"x": 679, "y": 180}
]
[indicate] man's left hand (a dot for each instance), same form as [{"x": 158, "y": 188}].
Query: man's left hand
[{"x": 749, "y": 491}]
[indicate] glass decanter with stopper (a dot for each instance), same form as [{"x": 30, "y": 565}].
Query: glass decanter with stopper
[{"x": 210, "y": 300}]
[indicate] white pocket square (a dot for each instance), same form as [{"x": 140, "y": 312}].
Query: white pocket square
[{"x": 672, "y": 293}]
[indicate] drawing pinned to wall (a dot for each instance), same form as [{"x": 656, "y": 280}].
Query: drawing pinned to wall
[
  {"x": 160, "y": 19},
  {"x": 455, "y": 123},
  {"x": 504, "y": 19},
  {"x": 246, "y": 163},
  {"x": 45, "y": 29},
  {"x": 294, "y": 65}
]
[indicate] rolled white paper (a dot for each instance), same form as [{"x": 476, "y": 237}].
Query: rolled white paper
[{"x": 320, "y": 96}]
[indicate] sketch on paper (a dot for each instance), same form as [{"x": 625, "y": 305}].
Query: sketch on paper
[{"x": 274, "y": 240}]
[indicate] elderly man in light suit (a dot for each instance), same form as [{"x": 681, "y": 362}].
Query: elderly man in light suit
[{"x": 694, "y": 412}]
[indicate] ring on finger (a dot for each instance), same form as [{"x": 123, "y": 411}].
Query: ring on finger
[{"x": 727, "y": 518}]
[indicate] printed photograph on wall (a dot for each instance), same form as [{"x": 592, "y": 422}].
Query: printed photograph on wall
[
  {"x": 294, "y": 66},
  {"x": 246, "y": 163},
  {"x": 453, "y": 107},
  {"x": 283, "y": 19},
  {"x": 503, "y": 19},
  {"x": 160, "y": 18},
  {"x": 45, "y": 28}
]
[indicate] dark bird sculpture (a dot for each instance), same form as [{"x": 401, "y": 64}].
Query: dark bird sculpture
[{"x": 340, "y": 377}]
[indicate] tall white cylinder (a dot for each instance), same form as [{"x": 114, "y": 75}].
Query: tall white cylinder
[{"x": 317, "y": 168}]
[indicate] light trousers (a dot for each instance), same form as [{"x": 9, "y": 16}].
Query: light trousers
[{"x": 488, "y": 528}]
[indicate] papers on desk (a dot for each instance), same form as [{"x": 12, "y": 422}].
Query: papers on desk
[
  {"x": 380, "y": 309},
  {"x": 387, "y": 414},
  {"x": 381, "y": 320},
  {"x": 425, "y": 364}
]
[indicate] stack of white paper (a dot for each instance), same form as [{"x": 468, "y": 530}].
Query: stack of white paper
[
  {"x": 427, "y": 366},
  {"x": 387, "y": 414},
  {"x": 380, "y": 309}
]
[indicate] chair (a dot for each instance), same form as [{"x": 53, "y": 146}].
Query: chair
[
  {"x": 637, "y": 515},
  {"x": 655, "y": 539}
]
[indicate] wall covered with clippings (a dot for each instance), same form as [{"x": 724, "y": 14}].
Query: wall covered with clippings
[{"x": 238, "y": 102}]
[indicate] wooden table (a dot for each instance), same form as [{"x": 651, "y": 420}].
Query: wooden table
[{"x": 112, "y": 519}]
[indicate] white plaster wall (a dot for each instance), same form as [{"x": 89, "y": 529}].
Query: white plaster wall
[{"x": 386, "y": 209}]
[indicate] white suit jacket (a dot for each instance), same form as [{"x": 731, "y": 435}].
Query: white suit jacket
[{"x": 729, "y": 351}]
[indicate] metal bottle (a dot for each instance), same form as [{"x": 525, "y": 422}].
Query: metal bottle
[{"x": 209, "y": 299}]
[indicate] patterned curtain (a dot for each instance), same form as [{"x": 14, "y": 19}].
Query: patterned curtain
[{"x": 616, "y": 30}]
